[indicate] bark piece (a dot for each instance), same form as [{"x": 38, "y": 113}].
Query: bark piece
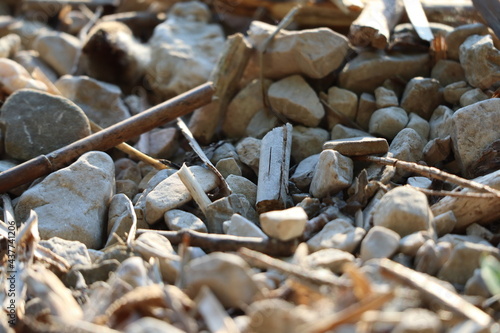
[{"x": 358, "y": 146}]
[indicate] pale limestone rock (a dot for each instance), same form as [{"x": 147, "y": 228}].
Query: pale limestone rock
[
  {"x": 224, "y": 150},
  {"x": 74, "y": 252},
  {"x": 307, "y": 141},
  {"x": 278, "y": 316},
  {"x": 379, "y": 242},
  {"x": 221, "y": 210},
  {"x": 332, "y": 174},
  {"x": 337, "y": 234},
  {"x": 313, "y": 52},
  {"x": 410, "y": 244},
  {"x": 241, "y": 185},
  {"x": 420, "y": 182},
  {"x": 262, "y": 122},
  {"x": 408, "y": 146},
  {"x": 476, "y": 286},
  {"x": 456, "y": 37},
  {"x": 127, "y": 187},
  {"x": 444, "y": 223},
  {"x": 177, "y": 219},
  {"x": 241, "y": 226},
  {"x": 228, "y": 166},
  {"x": 248, "y": 151},
  {"x": 420, "y": 125},
  {"x": 343, "y": 101},
  {"x": 440, "y": 122},
  {"x": 481, "y": 61},
  {"x": 454, "y": 91},
  {"x": 422, "y": 96},
  {"x": 387, "y": 122},
  {"x": 385, "y": 97},
  {"x": 431, "y": 257},
  {"x": 58, "y": 49},
  {"x": 161, "y": 143},
  {"x": 295, "y": 99},
  {"x": 472, "y": 96},
  {"x": 284, "y": 224},
  {"x": 448, "y": 72},
  {"x": 304, "y": 172},
  {"x": 121, "y": 218},
  {"x": 343, "y": 132},
  {"x": 333, "y": 259},
  {"x": 479, "y": 231},
  {"x": 366, "y": 106},
  {"x": 126, "y": 169}
]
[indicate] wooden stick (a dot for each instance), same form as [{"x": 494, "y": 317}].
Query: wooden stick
[
  {"x": 76, "y": 2},
  {"x": 194, "y": 188},
  {"x": 108, "y": 138}
]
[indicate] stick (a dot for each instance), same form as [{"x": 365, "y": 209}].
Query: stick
[
  {"x": 76, "y": 2},
  {"x": 108, "y": 138},
  {"x": 194, "y": 188}
]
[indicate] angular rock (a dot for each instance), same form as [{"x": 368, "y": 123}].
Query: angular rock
[
  {"x": 125, "y": 168},
  {"x": 121, "y": 219},
  {"x": 333, "y": 173},
  {"x": 241, "y": 185},
  {"x": 248, "y": 151},
  {"x": 74, "y": 252},
  {"x": 58, "y": 49},
  {"x": 379, "y": 242},
  {"x": 481, "y": 61},
  {"x": 221, "y": 210},
  {"x": 437, "y": 150},
  {"x": 358, "y": 146},
  {"x": 403, "y": 210},
  {"x": 387, "y": 122},
  {"x": 225, "y": 150},
  {"x": 472, "y": 96},
  {"x": 228, "y": 166},
  {"x": 343, "y": 101},
  {"x": 456, "y": 37},
  {"x": 444, "y": 223},
  {"x": 410, "y": 244},
  {"x": 37, "y": 123},
  {"x": 422, "y": 96},
  {"x": 447, "y": 72},
  {"x": 296, "y": 100},
  {"x": 440, "y": 122},
  {"x": 304, "y": 172},
  {"x": 420, "y": 125},
  {"x": 366, "y": 106},
  {"x": 408, "y": 146},
  {"x": 240, "y": 226},
  {"x": 314, "y": 52},
  {"x": 177, "y": 219},
  {"x": 454, "y": 91},
  {"x": 337, "y": 234},
  {"x": 161, "y": 143},
  {"x": 261, "y": 123},
  {"x": 72, "y": 203},
  {"x": 307, "y": 141},
  {"x": 385, "y": 98},
  {"x": 333, "y": 259},
  {"x": 431, "y": 257},
  {"x": 343, "y": 132},
  {"x": 284, "y": 224}
]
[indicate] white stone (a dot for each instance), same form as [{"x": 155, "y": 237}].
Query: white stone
[
  {"x": 333, "y": 259},
  {"x": 337, "y": 234},
  {"x": 284, "y": 224},
  {"x": 440, "y": 122},
  {"x": 241, "y": 226},
  {"x": 472, "y": 96},
  {"x": 481, "y": 61},
  {"x": 387, "y": 122},
  {"x": 454, "y": 39},
  {"x": 385, "y": 98},
  {"x": 241, "y": 185},
  {"x": 379, "y": 242},
  {"x": 420, "y": 125},
  {"x": 304, "y": 172},
  {"x": 343, "y": 101},
  {"x": 333, "y": 173},
  {"x": 307, "y": 141},
  {"x": 248, "y": 151},
  {"x": 410, "y": 244},
  {"x": 58, "y": 49},
  {"x": 74, "y": 252},
  {"x": 177, "y": 219}
]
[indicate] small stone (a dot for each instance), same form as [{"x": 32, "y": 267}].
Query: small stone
[
  {"x": 284, "y": 224},
  {"x": 358, "y": 146},
  {"x": 30, "y": 60},
  {"x": 333, "y": 173},
  {"x": 162, "y": 143},
  {"x": 430, "y": 256},
  {"x": 366, "y": 106},
  {"x": 437, "y": 151},
  {"x": 403, "y": 210},
  {"x": 410, "y": 244},
  {"x": 456, "y": 37},
  {"x": 224, "y": 150},
  {"x": 249, "y": 152},
  {"x": 262, "y": 122},
  {"x": 333, "y": 259},
  {"x": 476, "y": 286},
  {"x": 150, "y": 325},
  {"x": 296, "y": 100},
  {"x": 441, "y": 122},
  {"x": 74, "y": 252},
  {"x": 304, "y": 172},
  {"x": 71, "y": 203},
  {"x": 422, "y": 96},
  {"x": 343, "y": 101},
  {"x": 37, "y": 123},
  {"x": 408, "y": 146},
  {"x": 479, "y": 231},
  {"x": 126, "y": 169},
  {"x": 177, "y": 219},
  {"x": 420, "y": 125},
  {"x": 379, "y": 242},
  {"x": 343, "y": 132},
  {"x": 312, "y": 52},
  {"x": 385, "y": 98},
  {"x": 240, "y": 226},
  {"x": 468, "y": 142},
  {"x": 454, "y": 91},
  {"x": 420, "y": 182},
  {"x": 307, "y": 141},
  {"x": 241, "y": 185},
  {"x": 121, "y": 218},
  {"x": 448, "y": 72},
  {"x": 337, "y": 234},
  {"x": 9, "y": 45},
  {"x": 418, "y": 321},
  {"x": 387, "y": 122},
  {"x": 100, "y": 101},
  {"x": 472, "y": 96},
  {"x": 481, "y": 61},
  {"x": 221, "y": 210},
  {"x": 58, "y": 49},
  {"x": 235, "y": 289},
  {"x": 228, "y": 166},
  {"x": 444, "y": 223},
  {"x": 277, "y": 316}
]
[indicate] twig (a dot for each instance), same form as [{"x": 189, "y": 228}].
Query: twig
[
  {"x": 454, "y": 194},
  {"x": 77, "y": 2},
  {"x": 194, "y": 188}
]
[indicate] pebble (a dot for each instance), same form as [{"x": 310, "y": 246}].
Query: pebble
[
  {"x": 126, "y": 169},
  {"x": 408, "y": 146},
  {"x": 468, "y": 142},
  {"x": 379, "y": 242},
  {"x": 387, "y": 122},
  {"x": 437, "y": 150},
  {"x": 454, "y": 91},
  {"x": 58, "y": 49},
  {"x": 307, "y": 141},
  {"x": 311, "y": 52},
  {"x": 121, "y": 219},
  {"x": 332, "y": 174},
  {"x": 358, "y": 146},
  {"x": 337, "y": 234},
  {"x": 177, "y": 219},
  {"x": 343, "y": 101},
  {"x": 262, "y": 122},
  {"x": 285, "y": 224},
  {"x": 422, "y": 96},
  {"x": 150, "y": 325},
  {"x": 333, "y": 259},
  {"x": 9, "y": 45},
  {"x": 296, "y": 100},
  {"x": 420, "y": 125},
  {"x": 37, "y": 123},
  {"x": 417, "y": 320},
  {"x": 228, "y": 166},
  {"x": 410, "y": 244},
  {"x": 385, "y": 98},
  {"x": 241, "y": 185},
  {"x": 248, "y": 150},
  {"x": 74, "y": 252},
  {"x": 160, "y": 143},
  {"x": 476, "y": 286},
  {"x": 100, "y": 101},
  {"x": 30, "y": 60},
  {"x": 224, "y": 150},
  {"x": 241, "y": 226},
  {"x": 481, "y": 61},
  {"x": 480, "y": 231},
  {"x": 343, "y": 132},
  {"x": 444, "y": 223},
  {"x": 448, "y": 72},
  {"x": 403, "y": 210},
  {"x": 472, "y": 96},
  {"x": 430, "y": 256},
  {"x": 14, "y": 77},
  {"x": 221, "y": 210},
  {"x": 455, "y": 38},
  {"x": 440, "y": 124},
  {"x": 420, "y": 182},
  {"x": 235, "y": 289},
  {"x": 277, "y": 316},
  {"x": 127, "y": 187},
  {"x": 366, "y": 106},
  {"x": 71, "y": 203},
  {"x": 304, "y": 172}
]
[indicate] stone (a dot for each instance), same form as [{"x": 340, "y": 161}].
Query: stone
[
  {"x": 472, "y": 96},
  {"x": 379, "y": 242},
  {"x": 430, "y": 256},
  {"x": 343, "y": 132},
  {"x": 177, "y": 219},
  {"x": 307, "y": 141},
  {"x": 342, "y": 101},
  {"x": 440, "y": 122},
  {"x": 311, "y": 52},
  {"x": 468, "y": 142},
  {"x": 171, "y": 193},
  {"x": 337, "y": 234},
  {"x": 30, "y": 60},
  {"x": 454, "y": 91},
  {"x": 285, "y": 224},
  {"x": 243, "y": 107},
  {"x": 9, "y": 45},
  {"x": 99, "y": 271},
  {"x": 262, "y": 122},
  {"x": 150, "y": 325},
  {"x": 358, "y": 146},
  {"x": 359, "y": 74},
  {"x": 161, "y": 143},
  {"x": 221, "y": 210},
  {"x": 408, "y": 146},
  {"x": 72, "y": 202},
  {"x": 278, "y": 316},
  {"x": 121, "y": 219},
  {"x": 444, "y": 223},
  {"x": 228, "y": 166},
  {"x": 476, "y": 286},
  {"x": 385, "y": 98},
  {"x": 248, "y": 150},
  {"x": 74, "y": 252},
  {"x": 455, "y": 38},
  {"x": 387, "y": 122},
  {"x": 126, "y": 169},
  {"x": 241, "y": 185},
  {"x": 296, "y": 100},
  {"x": 58, "y": 49},
  {"x": 420, "y": 125},
  {"x": 403, "y": 210},
  {"x": 481, "y": 61},
  {"x": 241, "y": 226},
  {"x": 416, "y": 320},
  {"x": 480, "y": 231},
  {"x": 304, "y": 172},
  {"x": 410, "y": 244},
  {"x": 234, "y": 289},
  {"x": 447, "y": 72},
  {"x": 333, "y": 259},
  {"x": 366, "y": 106},
  {"x": 184, "y": 50},
  {"x": 422, "y": 96},
  {"x": 437, "y": 150},
  {"x": 333, "y": 173},
  {"x": 222, "y": 151},
  {"x": 420, "y": 182}
]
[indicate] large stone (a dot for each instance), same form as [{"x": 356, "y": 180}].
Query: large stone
[
  {"x": 456, "y": 37},
  {"x": 72, "y": 203},
  {"x": 284, "y": 224},
  {"x": 387, "y": 122},
  {"x": 422, "y": 96},
  {"x": 313, "y": 52},
  {"x": 59, "y": 49},
  {"x": 37, "y": 123},
  {"x": 481, "y": 61},
  {"x": 333, "y": 173},
  {"x": 475, "y": 127},
  {"x": 307, "y": 141},
  {"x": 337, "y": 234},
  {"x": 296, "y": 100}
]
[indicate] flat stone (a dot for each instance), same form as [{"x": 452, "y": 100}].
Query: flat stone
[
  {"x": 241, "y": 185},
  {"x": 74, "y": 252},
  {"x": 248, "y": 151},
  {"x": 468, "y": 142},
  {"x": 387, "y": 122},
  {"x": 440, "y": 122},
  {"x": 379, "y": 242},
  {"x": 420, "y": 125},
  {"x": 343, "y": 101},
  {"x": 481, "y": 61},
  {"x": 385, "y": 97},
  {"x": 418, "y": 320},
  {"x": 366, "y": 106},
  {"x": 456, "y": 38},
  {"x": 337, "y": 234},
  {"x": 422, "y": 96},
  {"x": 304, "y": 172},
  {"x": 177, "y": 219},
  {"x": 333, "y": 259},
  {"x": 472, "y": 96},
  {"x": 333, "y": 173},
  {"x": 448, "y": 72},
  {"x": 72, "y": 203},
  {"x": 58, "y": 49},
  {"x": 307, "y": 141},
  {"x": 403, "y": 210},
  {"x": 454, "y": 91},
  {"x": 37, "y": 123},
  {"x": 358, "y": 146},
  {"x": 121, "y": 218},
  {"x": 284, "y": 224},
  {"x": 241, "y": 226},
  {"x": 420, "y": 182},
  {"x": 296, "y": 100},
  {"x": 311, "y": 52}
]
